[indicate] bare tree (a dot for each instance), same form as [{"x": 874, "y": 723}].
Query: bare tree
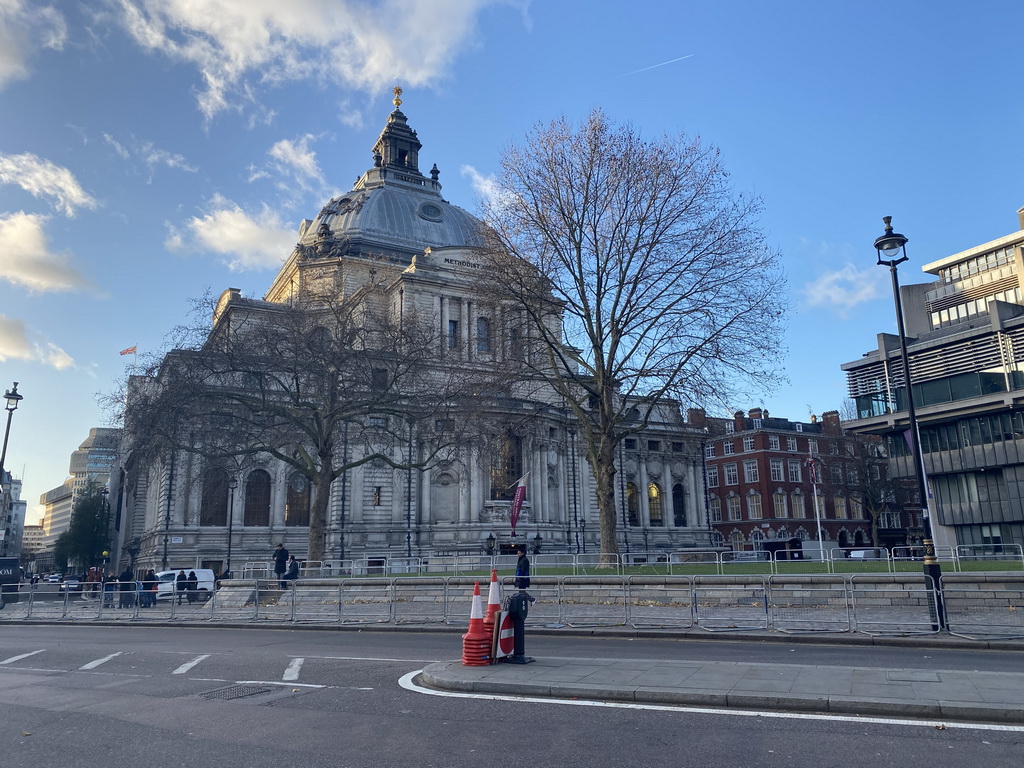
[
  {"x": 300, "y": 382},
  {"x": 638, "y": 274}
]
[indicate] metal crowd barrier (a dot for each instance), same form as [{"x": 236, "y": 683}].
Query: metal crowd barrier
[
  {"x": 800, "y": 605},
  {"x": 902, "y": 608},
  {"x": 985, "y": 610},
  {"x": 722, "y": 606},
  {"x": 593, "y": 601},
  {"x": 652, "y": 602}
]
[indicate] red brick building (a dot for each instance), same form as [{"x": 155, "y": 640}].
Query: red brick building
[{"x": 762, "y": 473}]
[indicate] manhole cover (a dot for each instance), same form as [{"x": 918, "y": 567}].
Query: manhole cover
[{"x": 235, "y": 692}]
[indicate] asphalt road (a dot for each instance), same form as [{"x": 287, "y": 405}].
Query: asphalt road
[{"x": 74, "y": 696}]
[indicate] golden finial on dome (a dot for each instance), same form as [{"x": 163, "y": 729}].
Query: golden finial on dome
[{"x": 397, "y": 101}]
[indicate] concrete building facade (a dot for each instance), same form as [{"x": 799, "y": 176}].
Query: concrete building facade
[
  {"x": 395, "y": 235},
  {"x": 966, "y": 347}
]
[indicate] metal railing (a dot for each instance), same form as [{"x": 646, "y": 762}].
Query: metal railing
[{"x": 981, "y": 606}]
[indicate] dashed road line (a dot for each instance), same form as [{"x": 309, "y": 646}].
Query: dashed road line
[
  {"x": 22, "y": 656},
  {"x": 97, "y": 662},
  {"x": 189, "y": 664},
  {"x": 292, "y": 672}
]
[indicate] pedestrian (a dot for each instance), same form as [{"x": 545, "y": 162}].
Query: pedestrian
[
  {"x": 126, "y": 597},
  {"x": 149, "y": 585},
  {"x": 180, "y": 583},
  {"x": 109, "y": 588},
  {"x": 292, "y": 574},
  {"x": 192, "y": 584},
  {"x": 280, "y": 565},
  {"x": 522, "y": 579}
]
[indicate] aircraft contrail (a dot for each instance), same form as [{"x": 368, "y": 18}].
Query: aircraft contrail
[{"x": 655, "y": 66}]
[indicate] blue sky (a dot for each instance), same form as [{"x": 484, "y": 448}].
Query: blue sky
[{"x": 151, "y": 150}]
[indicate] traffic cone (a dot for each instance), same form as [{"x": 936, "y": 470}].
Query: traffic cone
[
  {"x": 493, "y": 603},
  {"x": 476, "y": 643}
]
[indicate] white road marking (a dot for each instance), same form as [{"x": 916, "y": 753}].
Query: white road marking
[
  {"x": 97, "y": 662},
  {"x": 25, "y": 656},
  {"x": 278, "y": 682},
  {"x": 406, "y": 681},
  {"x": 292, "y": 673},
  {"x": 189, "y": 664},
  {"x": 374, "y": 658}
]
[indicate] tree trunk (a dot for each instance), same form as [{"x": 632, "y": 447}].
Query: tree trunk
[
  {"x": 318, "y": 516},
  {"x": 602, "y": 462}
]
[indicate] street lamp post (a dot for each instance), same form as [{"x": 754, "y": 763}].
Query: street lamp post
[
  {"x": 232, "y": 484},
  {"x": 894, "y": 246},
  {"x": 13, "y": 398}
]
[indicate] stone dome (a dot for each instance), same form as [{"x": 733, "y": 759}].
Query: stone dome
[{"x": 393, "y": 208}]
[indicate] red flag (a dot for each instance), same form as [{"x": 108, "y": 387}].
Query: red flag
[
  {"x": 517, "y": 501},
  {"x": 129, "y": 351}
]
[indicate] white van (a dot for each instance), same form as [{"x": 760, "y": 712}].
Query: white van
[
  {"x": 869, "y": 554},
  {"x": 205, "y": 585}
]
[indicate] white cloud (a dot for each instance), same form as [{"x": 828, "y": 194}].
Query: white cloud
[
  {"x": 485, "y": 187},
  {"x": 18, "y": 343},
  {"x": 246, "y": 241},
  {"x": 844, "y": 288},
  {"x": 148, "y": 154},
  {"x": 24, "y": 28},
  {"x": 26, "y": 260},
  {"x": 41, "y": 178},
  {"x": 297, "y": 161},
  {"x": 238, "y": 45}
]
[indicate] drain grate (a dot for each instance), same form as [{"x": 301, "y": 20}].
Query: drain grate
[{"x": 236, "y": 692}]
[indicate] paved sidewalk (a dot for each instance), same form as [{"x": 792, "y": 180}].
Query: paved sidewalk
[{"x": 952, "y": 695}]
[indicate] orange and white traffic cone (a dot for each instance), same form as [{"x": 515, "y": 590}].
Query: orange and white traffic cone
[
  {"x": 493, "y": 603},
  {"x": 476, "y": 643}
]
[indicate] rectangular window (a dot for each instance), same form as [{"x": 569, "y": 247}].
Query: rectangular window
[
  {"x": 773, "y": 442},
  {"x": 677, "y": 447},
  {"x": 730, "y": 427},
  {"x": 379, "y": 379},
  {"x": 733, "y": 504},
  {"x": 728, "y": 448},
  {"x": 837, "y": 474},
  {"x": 453, "y": 334},
  {"x": 715, "y": 510},
  {"x": 776, "y": 470},
  {"x": 630, "y": 444},
  {"x": 833, "y": 447},
  {"x": 790, "y": 443},
  {"x": 748, "y": 443},
  {"x": 750, "y": 473},
  {"x": 712, "y": 477},
  {"x": 709, "y": 451},
  {"x": 731, "y": 476},
  {"x": 840, "y": 507},
  {"x": 654, "y": 445},
  {"x": 812, "y": 447},
  {"x": 797, "y": 503},
  {"x": 754, "y": 506},
  {"x": 779, "y": 503},
  {"x": 757, "y": 423},
  {"x": 378, "y": 421}
]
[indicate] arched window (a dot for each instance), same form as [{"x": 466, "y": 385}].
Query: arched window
[
  {"x": 654, "y": 512},
  {"x": 757, "y": 539},
  {"x": 483, "y": 334},
  {"x": 736, "y": 540},
  {"x": 717, "y": 539},
  {"x": 296, "y": 505},
  {"x": 678, "y": 505},
  {"x": 506, "y": 467},
  {"x": 257, "y": 499},
  {"x": 213, "y": 507},
  {"x": 783, "y": 533},
  {"x": 858, "y": 538},
  {"x": 801, "y": 533},
  {"x": 632, "y": 503}
]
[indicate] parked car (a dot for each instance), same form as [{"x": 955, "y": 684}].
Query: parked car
[{"x": 205, "y": 584}]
